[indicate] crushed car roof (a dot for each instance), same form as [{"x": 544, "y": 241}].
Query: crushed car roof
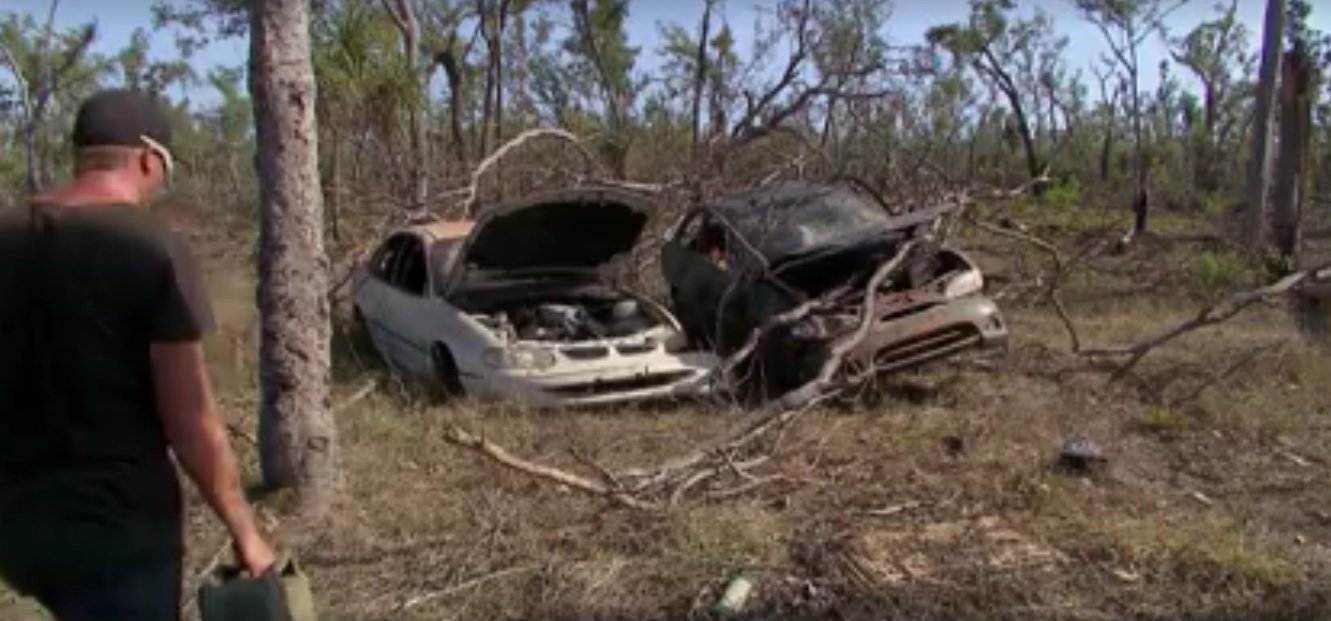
[{"x": 794, "y": 217}]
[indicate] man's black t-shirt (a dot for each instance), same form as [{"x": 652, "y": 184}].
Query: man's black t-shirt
[{"x": 87, "y": 487}]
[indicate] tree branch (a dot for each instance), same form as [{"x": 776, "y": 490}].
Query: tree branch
[
  {"x": 1210, "y": 316},
  {"x": 465, "y": 439}
]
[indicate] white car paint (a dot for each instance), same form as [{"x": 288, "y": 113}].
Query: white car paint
[{"x": 404, "y": 328}]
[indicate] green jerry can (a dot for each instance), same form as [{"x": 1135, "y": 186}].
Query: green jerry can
[{"x": 281, "y": 594}]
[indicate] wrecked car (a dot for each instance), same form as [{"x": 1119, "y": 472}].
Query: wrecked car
[
  {"x": 735, "y": 264},
  {"x": 516, "y": 306}
]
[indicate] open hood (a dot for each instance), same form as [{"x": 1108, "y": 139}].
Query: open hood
[{"x": 568, "y": 230}]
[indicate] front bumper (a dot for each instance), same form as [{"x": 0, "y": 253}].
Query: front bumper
[
  {"x": 904, "y": 338},
  {"x": 678, "y": 376}
]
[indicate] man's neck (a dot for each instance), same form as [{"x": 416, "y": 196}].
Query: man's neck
[{"x": 92, "y": 189}]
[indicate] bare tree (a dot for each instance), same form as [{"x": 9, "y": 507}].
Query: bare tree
[
  {"x": 1125, "y": 25},
  {"x": 297, "y": 437},
  {"x": 36, "y": 91},
  {"x": 1295, "y": 133},
  {"x": 700, "y": 75},
  {"x": 1258, "y": 225},
  {"x": 404, "y": 15}
]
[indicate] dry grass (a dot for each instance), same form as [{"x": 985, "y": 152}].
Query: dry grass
[{"x": 938, "y": 501}]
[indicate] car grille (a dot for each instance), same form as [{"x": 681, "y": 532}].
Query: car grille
[
  {"x": 603, "y": 387},
  {"x": 585, "y": 353},
  {"x": 925, "y": 347},
  {"x": 636, "y": 349}
]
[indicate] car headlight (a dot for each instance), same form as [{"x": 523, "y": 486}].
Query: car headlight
[
  {"x": 965, "y": 283},
  {"x": 676, "y": 342},
  {"x": 526, "y": 358}
]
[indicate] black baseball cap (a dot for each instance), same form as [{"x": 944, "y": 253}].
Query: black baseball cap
[{"x": 124, "y": 118}]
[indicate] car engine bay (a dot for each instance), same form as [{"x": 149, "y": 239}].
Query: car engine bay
[{"x": 585, "y": 315}]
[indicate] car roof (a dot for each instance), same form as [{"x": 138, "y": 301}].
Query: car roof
[{"x": 786, "y": 218}]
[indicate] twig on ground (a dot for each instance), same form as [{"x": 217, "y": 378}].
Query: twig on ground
[
  {"x": 606, "y": 475},
  {"x": 465, "y": 586},
  {"x": 743, "y": 488},
  {"x": 1229, "y": 371},
  {"x": 465, "y": 439},
  {"x": 365, "y": 390},
  {"x": 895, "y": 509}
]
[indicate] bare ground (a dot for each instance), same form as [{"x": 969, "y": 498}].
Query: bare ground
[{"x": 936, "y": 500}]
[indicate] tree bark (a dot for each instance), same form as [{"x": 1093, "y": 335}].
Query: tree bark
[
  {"x": 1258, "y": 227},
  {"x": 404, "y": 15},
  {"x": 1295, "y": 123},
  {"x": 700, "y": 76},
  {"x": 297, "y": 436}
]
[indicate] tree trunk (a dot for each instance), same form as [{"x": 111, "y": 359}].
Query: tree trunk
[
  {"x": 1141, "y": 203},
  {"x": 1295, "y": 123},
  {"x": 1004, "y": 83},
  {"x": 1257, "y": 227},
  {"x": 297, "y": 437},
  {"x": 700, "y": 76},
  {"x": 453, "y": 74}
]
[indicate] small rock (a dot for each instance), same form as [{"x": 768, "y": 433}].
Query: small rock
[{"x": 1080, "y": 455}]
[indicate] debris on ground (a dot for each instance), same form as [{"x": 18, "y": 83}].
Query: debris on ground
[{"x": 1080, "y": 455}]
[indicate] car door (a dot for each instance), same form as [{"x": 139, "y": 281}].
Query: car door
[
  {"x": 699, "y": 277},
  {"x": 405, "y": 307},
  {"x": 373, "y": 289}
]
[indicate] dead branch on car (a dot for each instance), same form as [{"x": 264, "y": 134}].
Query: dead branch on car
[
  {"x": 1211, "y": 315},
  {"x": 473, "y": 189}
]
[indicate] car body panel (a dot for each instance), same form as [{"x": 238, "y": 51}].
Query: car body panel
[
  {"x": 405, "y": 327},
  {"x": 722, "y": 299}
]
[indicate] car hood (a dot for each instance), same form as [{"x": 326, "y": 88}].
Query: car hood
[{"x": 571, "y": 230}]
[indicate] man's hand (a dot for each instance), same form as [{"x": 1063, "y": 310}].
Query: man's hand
[
  {"x": 198, "y": 437},
  {"x": 254, "y": 555}
]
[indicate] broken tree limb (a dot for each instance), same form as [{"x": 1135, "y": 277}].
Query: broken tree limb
[
  {"x": 1052, "y": 291},
  {"x": 1210, "y": 316},
  {"x": 460, "y": 437},
  {"x": 473, "y": 189}
]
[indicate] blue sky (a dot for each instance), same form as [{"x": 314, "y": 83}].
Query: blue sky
[{"x": 117, "y": 19}]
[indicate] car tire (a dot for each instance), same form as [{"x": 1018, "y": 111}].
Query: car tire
[{"x": 447, "y": 379}]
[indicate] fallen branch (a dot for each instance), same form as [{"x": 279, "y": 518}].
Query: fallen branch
[
  {"x": 1209, "y": 316},
  {"x": 365, "y": 390},
  {"x": 1052, "y": 290},
  {"x": 460, "y": 437},
  {"x": 1229, "y": 371},
  {"x": 466, "y": 586}
]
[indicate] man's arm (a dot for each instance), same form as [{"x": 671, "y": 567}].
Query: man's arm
[
  {"x": 193, "y": 426},
  {"x": 197, "y": 435}
]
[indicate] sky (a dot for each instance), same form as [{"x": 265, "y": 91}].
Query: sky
[{"x": 117, "y": 20}]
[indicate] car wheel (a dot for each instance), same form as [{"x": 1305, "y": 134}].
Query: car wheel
[{"x": 446, "y": 372}]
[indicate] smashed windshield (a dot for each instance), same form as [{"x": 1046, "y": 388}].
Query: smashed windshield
[{"x": 793, "y": 218}]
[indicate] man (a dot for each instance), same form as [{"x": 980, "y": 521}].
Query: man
[{"x": 101, "y": 379}]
